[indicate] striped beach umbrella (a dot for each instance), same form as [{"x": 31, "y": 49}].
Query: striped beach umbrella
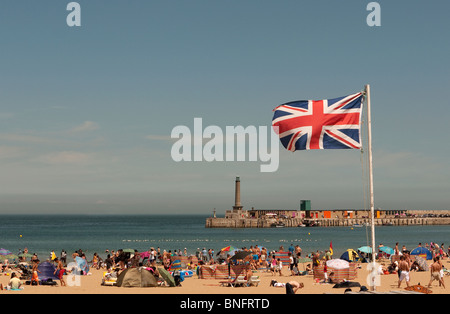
[
  {"x": 5, "y": 252},
  {"x": 228, "y": 249}
]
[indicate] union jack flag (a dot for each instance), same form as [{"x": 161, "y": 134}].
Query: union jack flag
[{"x": 319, "y": 124}]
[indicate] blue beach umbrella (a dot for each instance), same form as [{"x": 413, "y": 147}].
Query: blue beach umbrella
[
  {"x": 387, "y": 250},
  {"x": 365, "y": 249}
]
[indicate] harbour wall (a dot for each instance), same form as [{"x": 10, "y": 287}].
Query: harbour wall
[
  {"x": 249, "y": 222},
  {"x": 322, "y": 222}
]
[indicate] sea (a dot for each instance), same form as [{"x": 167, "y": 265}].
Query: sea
[{"x": 97, "y": 233}]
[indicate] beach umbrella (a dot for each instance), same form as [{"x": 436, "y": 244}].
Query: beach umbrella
[
  {"x": 338, "y": 263},
  {"x": 167, "y": 277},
  {"x": 365, "y": 249},
  {"x": 8, "y": 257},
  {"x": 423, "y": 252},
  {"x": 241, "y": 255},
  {"x": 228, "y": 250},
  {"x": 145, "y": 254},
  {"x": 304, "y": 260},
  {"x": 387, "y": 250},
  {"x": 5, "y": 252},
  {"x": 422, "y": 263},
  {"x": 25, "y": 255},
  {"x": 128, "y": 250}
]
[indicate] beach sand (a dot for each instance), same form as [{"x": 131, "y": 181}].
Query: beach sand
[{"x": 91, "y": 284}]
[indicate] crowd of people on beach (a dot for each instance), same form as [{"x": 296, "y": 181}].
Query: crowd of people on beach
[{"x": 258, "y": 258}]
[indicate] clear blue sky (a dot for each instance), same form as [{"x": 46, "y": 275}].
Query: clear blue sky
[{"x": 86, "y": 112}]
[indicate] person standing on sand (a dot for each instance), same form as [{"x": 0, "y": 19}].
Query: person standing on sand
[
  {"x": 404, "y": 267},
  {"x": 63, "y": 258},
  {"x": 298, "y": 251},
  {"x": 291, "y": 263},
  {"x": 35, "y": 271},
  {"x": 273, "y": 265},
  {"x": 435, "y": 271}
]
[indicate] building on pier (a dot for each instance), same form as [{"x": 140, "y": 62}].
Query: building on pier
[{"x": 238, "y": 217}]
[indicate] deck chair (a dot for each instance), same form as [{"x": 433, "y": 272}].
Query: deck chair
[
  {"x": 253, "y": 281},
  {"x": 108, "y": 281},
  {"x": 240, "y": 281},
  {"x": 227, "y": 283}
]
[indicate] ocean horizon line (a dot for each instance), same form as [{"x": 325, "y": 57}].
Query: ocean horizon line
[{"x": 105, "y": 214}]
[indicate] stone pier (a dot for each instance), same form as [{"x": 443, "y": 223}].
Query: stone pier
[{"x": 345, "y": 222}]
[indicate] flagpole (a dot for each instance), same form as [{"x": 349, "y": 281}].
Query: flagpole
[{"x": 372, "y": 206}]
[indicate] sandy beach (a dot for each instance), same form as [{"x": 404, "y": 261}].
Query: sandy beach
[{"x": 91, "y": 284}]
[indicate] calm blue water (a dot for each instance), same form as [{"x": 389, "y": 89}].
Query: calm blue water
[{"x": 41, "y": 234}]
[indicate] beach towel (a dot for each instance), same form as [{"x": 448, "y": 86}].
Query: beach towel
[
  {"x": 419, "y": 288},
  {"x": 347, "y": 284}
]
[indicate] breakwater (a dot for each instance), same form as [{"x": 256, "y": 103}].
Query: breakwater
[{"x": 322, "y": 222}]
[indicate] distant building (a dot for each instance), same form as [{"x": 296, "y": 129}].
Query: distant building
[{"x": 238, "y": 217}]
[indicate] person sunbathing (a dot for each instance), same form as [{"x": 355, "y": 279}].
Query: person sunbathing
[{"x": 291, "y": 286}]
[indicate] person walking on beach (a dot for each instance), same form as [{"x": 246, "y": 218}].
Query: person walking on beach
[
  {"x": 404, "y": 267},
  {"x": 60, "y": 270},
  {"x": 273, "y": 265},
  {"x": 279, "y": 266},
  {"x": 435, "y": 271}
]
